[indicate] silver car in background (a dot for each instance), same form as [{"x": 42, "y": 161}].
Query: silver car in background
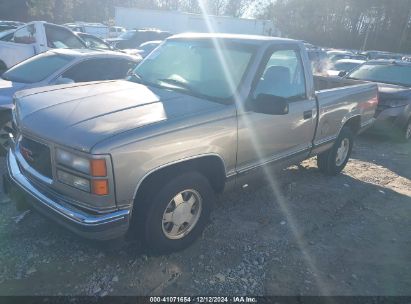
[
  {"x": 56, "y": 67},
  {"x": 344, "y": 66}
]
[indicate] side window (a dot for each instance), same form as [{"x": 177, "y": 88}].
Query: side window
[
  {"x": 98, "y": 70},
  {"x": 118, "y": 68},
  {"x": 25, "y": 35},
  {"x": 283, "y": 76}
]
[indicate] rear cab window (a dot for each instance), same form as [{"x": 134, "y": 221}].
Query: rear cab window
[{"x": 25, "y": 35}]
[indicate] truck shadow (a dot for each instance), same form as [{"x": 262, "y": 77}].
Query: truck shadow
[{"x": 385, "y": 152}]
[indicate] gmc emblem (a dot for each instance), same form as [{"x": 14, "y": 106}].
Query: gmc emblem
[{"x": 27, "y": 154}]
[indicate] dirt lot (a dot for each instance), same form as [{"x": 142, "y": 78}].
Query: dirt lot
[{"x": 348, "y": 235}]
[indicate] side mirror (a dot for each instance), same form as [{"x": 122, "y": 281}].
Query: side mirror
[
  {"x": 88, "y": 44},
  {"x": 342, "y": 74},
  {"x": 269, "y": 104},
  {"x": 63, "y": 80}
]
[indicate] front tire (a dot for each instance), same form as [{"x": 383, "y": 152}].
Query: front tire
[
  {"x": 333, "y": 161},
  {"x": 5, "y": 126},
  {"x": 176, "y": 215}
]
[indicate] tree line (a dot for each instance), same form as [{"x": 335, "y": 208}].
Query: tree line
[
  {"x": 357, "y": 24},
  {"x": 63, "y": 11}
]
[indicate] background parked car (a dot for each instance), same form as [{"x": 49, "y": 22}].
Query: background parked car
[
  {"x": 334, "y": 56},
  {"x": 147, "y": 47},
  {"x": 35, "y": 38},
  {"x": 9, "y": 25},
  {"x": 59, "y": 67},
  {"x": 97, "y": 29},
  {"x": 343, "y": 66},
  {"x": 394, "y": 84},
  {"x": 115, "y": 31},
  {"x": 375, "y": 55},
  {"x": 319, "y": 60},
  {"x": 134, "y": 38},
  {"x": 94, "y": 42}
]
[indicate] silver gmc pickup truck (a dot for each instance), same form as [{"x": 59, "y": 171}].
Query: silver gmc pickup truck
[{"x": 203, "y": 113}]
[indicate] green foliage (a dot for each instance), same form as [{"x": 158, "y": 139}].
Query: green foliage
[
  {"x": 368, "y": 24},
  {"x": 14, "y": 10}
]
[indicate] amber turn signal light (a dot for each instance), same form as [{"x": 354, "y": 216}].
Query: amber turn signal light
[
  {"x": 98, "y": 167},
  {"x": 100, "y": 187}
]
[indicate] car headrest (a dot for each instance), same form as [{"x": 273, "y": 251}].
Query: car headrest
[{"x": 277, "y": 74}]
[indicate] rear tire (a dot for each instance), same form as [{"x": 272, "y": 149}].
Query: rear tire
[
  {"x": 333, "y": 161},
  {"x": 168, "y": 212}
]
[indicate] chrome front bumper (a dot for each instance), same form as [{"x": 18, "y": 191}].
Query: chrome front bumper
[{"x": 94, "y": 226}]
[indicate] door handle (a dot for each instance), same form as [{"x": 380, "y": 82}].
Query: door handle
[{"x": 308, "y": 114}]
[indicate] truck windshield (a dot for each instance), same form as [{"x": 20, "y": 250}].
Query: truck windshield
[
  {"x": 36, "y": 68},
  {"x": 197, "y": 68},
  {"x": 385, "y": 73}
]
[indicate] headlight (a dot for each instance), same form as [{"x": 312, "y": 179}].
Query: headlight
[
  {"x": 95, "y": 169},
  {"x": 73, "y": 180},
  {"x": 73, "y": 161}
]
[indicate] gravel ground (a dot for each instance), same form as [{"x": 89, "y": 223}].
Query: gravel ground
[{"x": 306, "y": 234}]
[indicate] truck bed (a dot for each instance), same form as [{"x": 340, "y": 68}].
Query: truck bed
[
  {"x": 322, "y": 83},
  {"x": 343, "y": 99}
]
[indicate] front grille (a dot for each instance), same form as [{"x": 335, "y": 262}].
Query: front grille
[{"x": 37, "y": 156}]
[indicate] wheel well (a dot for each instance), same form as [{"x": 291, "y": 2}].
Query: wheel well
[
  {"x": 212, "y": 167},
  {"x": 354, "y": 124}
]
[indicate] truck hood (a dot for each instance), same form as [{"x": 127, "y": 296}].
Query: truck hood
[
  {"x": 82, "y": 115},
  {"x": 7, "y": 90}
]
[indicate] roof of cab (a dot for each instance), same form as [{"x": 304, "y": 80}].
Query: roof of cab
[{"x": 234, "y": 37}]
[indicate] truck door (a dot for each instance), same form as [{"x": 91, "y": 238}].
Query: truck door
[
  {"x": 22, "y": 46},
  {"x": 266, "y": 138}
]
